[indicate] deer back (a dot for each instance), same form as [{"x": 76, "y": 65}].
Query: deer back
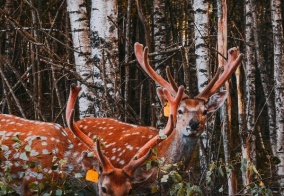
[{"x": 34, "y": 152}]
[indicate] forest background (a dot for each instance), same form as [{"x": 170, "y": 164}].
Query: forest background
[{"x": 47, "y": 45}]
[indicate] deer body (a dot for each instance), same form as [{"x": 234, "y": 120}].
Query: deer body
[{"x": 46, "y": 146}]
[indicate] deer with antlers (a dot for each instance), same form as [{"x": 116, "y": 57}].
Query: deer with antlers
[
  {"x": 123, "y": 168},
  {"x": 192, "y": 113}
]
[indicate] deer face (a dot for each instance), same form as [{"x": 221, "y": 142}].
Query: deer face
[
  {"x": 115, "y": 183},
  {"x": 192, "y": 113}
]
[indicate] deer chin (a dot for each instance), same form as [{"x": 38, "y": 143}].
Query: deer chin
[{"x": 188, "y": 132}]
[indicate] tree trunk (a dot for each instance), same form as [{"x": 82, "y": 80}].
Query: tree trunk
[
  {"x": 279, "y": 85},
  {"x": 159, "y": 44},
  {"x": 226, "y": 108},
  {"x": 201, "y": 19},
  {"x": 104, "y": 44},
  {"x": 81, "y": 43}
]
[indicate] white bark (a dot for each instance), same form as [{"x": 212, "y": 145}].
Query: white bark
[
  {"x": 104, "y": 44},
  {"x": 201, "y": 20},
  {"x": 279, "y": 85},
  {"x": 159, "y": 42},
  {"x": 82, "y": 49},
  {"x": 201, "y": 31}
]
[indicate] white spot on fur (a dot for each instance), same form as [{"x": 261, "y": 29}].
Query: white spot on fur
[
  {"x": 34, "y": 153},
  {"x": 122, "y": 162},
  {"x": 129, "y": 147},
  {"x": 45, "y": 151}
]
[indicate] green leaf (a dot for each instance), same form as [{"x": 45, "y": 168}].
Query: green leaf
[
  {"x": 15, "y": 138},
  {"x": 181, "y": 190},
  {"x": 78, "y": 175},
  {"x": 28, "y": 148},
  {"x": 165, "y": 178},
  {"x": 154, "y": 189},
  {"x": 4, "y": 148},
  {"x": 54, "y": 158},
  {"x": 175, "y": 176},
  {"x": 58, "y": 192},
  {"x": 221, "y": 189},
  {"x": 54, "y": 167},
  {"x": 23, "y": 156},
  {"x": 221, "y": 171}
]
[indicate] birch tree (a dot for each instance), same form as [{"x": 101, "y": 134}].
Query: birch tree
[
  {"x": 201, "y": 19},
  {"x": 82, "y": 49},
  {"x": 104, "y": 54},
  {"x": 278, "y": 39},
  {"x": 266, "y": 81},
  {"x": 159, "y": 44}
]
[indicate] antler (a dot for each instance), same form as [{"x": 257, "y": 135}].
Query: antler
[
  {"x": 174, "y": 103},
  {"x": 171, "y": 79},
  {"x": 79, "y": 134},
  {"x": 106, "y": 165},
  {"x": 142, "y": 58},
  {"x": 233, "y": 61},
  {"x": 74, "y": 91}
]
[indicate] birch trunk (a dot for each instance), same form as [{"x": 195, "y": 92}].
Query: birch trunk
[
  {"x": 248, "y": 151},
  {"x": 201, "y": 19},
  {"x": 279, "y": 85},
  {"x": 266, "y": 82},
  {"x": 81, "y": 43},
  {"x": 159, "y": 43},
  {"x": 104, "y": 52},
  {"x": 127, "y": 57}
]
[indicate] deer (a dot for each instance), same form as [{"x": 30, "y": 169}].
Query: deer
[
  {"x": 189, "y": 118},
  {"x": 35, "y": 152},
  {"x": 192, "y": 113},
  {"x": 118, "y": 179}
]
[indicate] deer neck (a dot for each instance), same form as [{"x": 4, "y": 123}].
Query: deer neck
[{"x": 177, "y": 147}]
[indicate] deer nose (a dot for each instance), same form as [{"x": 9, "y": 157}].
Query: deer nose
[{"x": 194, "y": 124}]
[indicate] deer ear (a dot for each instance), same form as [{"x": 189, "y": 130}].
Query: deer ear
[
  {"x": 88, "y": 162},
  {"x": 216, "y": 101},
  {"x": 141, "y": 175},
  {"x": 162, "y": 96}
]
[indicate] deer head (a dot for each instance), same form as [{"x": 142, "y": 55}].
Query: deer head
[{"x": 46, "y": 149}]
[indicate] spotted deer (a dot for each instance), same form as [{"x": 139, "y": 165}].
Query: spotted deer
[
  {"x": 33, "y": 152},
  {"x": 118, "y": 172},
  {"x": 192, "y": 113}
]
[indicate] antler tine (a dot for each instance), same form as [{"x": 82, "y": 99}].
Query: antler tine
[
  {"x": 214, "y": 85},
  {"x": 74, "y": 91},
  {"x": 142, "y": 58},
  {"x": 156, "y": 140},
  {"x": 106, "y": 165},
  {"x": 79, "y": 134},
  {"x": 130, "y": 168},
  {"x": 174, "y": 102},
  {"x": 171, "y": 79}
]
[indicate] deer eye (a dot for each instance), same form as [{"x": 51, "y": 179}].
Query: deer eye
[
  {"x": 104, "y": 190},
  {"x": 205, "y": 112},
  {"x": 180, "y": 112}
]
